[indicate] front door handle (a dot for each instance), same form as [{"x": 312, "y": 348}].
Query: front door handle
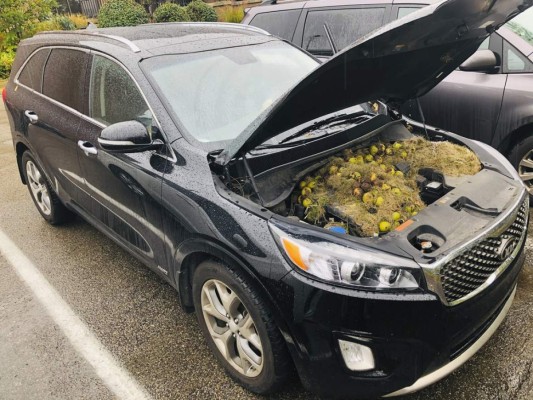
[
  {"x": 87, "y": 148},
  {"x": 31, "y": 116}
]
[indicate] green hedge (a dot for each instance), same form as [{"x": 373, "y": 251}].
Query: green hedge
[
  {"x": 199, "y": 11},
  {"x": 170, "y": 12},
  {"x": 121, "y": 13},
  {"x": 6, "y": 60}
]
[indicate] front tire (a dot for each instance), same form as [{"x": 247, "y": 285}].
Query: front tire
[
  {"x": 521, "y": 156},
  {"x": 239, "y": 329},
  {"x": 41, "y": 192}
]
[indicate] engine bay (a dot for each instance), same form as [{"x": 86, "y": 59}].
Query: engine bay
[{"x": 367, "y": 188}]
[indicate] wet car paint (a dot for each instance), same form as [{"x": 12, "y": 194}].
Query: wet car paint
[{"x": 226, "y": 232}]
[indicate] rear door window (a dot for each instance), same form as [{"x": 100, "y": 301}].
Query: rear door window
[
  {"x": 32, "y": 73},
  {"x": 65, "y": 76},
  {"x": 346, "y": 26},
  {"x": 114, "y": 96},
  {"x": 278, "y": 23}
]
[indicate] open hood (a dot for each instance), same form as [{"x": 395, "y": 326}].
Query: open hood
[{"x": 401, "y": 61}]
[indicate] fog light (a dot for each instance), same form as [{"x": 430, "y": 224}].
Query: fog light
[{"x": 356, "y": 356}]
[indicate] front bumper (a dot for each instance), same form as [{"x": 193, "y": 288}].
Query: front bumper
[
  {"x": 447, "y": 369},
  {"x": 415, "y": 339}
]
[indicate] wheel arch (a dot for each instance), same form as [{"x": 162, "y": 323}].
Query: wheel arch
[
  {"x": 515, "y": 137},
  {"x": 193, "y": 252},
  {"x": 20, "y": 148}
]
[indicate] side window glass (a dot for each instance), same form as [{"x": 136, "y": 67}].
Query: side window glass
[
  {"x": 403, "y": 11},
  {"x": 64, "y": 77},
  {"x": 278, "y": 23},
  {"x": 346, "y": 27},
  {"x": 32, "y": 74},
  {"x": 113, "y": 96},
  {"x": 514, "y": 61},
  {"x": 485, "y": 44}
]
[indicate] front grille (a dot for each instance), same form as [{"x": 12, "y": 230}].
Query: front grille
[{"x": 468, "y": 271}]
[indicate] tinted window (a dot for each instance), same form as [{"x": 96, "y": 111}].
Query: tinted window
[
  {"x": 515, "y": 62},
  {"x": 279, "y": 23},
  {"x": 64, "y": 77},
  {"x": 346, "y": 27},
  {"x": 114, "y": 96},
  {"x": 32, "y": 74}
]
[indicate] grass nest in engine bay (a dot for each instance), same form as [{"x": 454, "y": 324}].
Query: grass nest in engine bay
[{"x": 365, "y": 188}]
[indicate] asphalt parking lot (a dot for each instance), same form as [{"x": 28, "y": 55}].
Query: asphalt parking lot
[{"x": 127, "y": 312}]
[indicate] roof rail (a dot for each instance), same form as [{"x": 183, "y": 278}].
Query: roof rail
[
  {"x": 132, "y": 46},
  {"x": 228, "y": 24}
]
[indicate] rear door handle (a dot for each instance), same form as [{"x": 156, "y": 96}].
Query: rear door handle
[
  {"x": 87, "y": 148},
  {"x": 31, "y": 116}
]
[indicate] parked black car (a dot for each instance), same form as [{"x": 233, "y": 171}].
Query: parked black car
[
  {"x": 487, "y": 99},
  {"x": 183, "y": 143}
]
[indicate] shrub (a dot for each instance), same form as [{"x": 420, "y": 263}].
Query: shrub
[
  {"x": 231, "y": 14},
  {"x": 55, "y": 23},
  {"x": 199, "y": 12},
  {"x": 121, "y": 13},
  {"x": 170, "y": 12},
  {"x": 79, "y": 20},
  {"x": 64, "y": 22},
  {"x": 18, "y": 19},
  {"x": 48, "y": 25},
  {"x": 6, "y": 61}
]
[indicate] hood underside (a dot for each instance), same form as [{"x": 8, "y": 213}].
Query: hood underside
[{"x": 398, "y": 62}]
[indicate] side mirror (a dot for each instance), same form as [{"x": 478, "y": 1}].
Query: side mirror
[
  {"x": 127, "y": 137},
  {"x": 481, "y": 61}
]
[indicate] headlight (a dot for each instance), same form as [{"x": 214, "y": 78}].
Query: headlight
[{"x": 365, "y": 268}]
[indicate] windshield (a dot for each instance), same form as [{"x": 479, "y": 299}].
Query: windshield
[
  {"x": 522, "y": 25},
  {"x": 215, "y": 95}
]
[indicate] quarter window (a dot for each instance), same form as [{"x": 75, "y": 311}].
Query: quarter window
[
  {"x": 346, "y": 27},
  {"x": 515, "y": 62},
  {"x": 64, "y": 77},
  {"x": 32, "y": 74},
  {"x": 114, "y": 96},
  {"x": 278, "y": 23},
  {"x": 403, "y": 11}
]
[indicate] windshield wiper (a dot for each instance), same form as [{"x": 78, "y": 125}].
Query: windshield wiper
[{"x": 316, "y": 125}]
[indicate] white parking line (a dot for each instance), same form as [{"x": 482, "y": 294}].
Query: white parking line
[{"x": 114, "y": 376}]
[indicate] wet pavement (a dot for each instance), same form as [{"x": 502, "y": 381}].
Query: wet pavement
[{"x": 136, "y": 317}]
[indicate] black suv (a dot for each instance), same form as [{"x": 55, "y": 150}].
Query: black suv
[
  {"x": 488, "y": 98},
  {"x": 188, "y": 145}
]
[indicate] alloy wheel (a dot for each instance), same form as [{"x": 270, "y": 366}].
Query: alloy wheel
[
  {"x": 525, "y": 170},
  {"x": 38, "y": 188},
  {"x": 232, "y": 328}
]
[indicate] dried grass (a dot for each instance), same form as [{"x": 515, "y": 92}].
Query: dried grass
[{"x": 363, "y": 187}]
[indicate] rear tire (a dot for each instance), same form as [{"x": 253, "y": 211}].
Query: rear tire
[
  {"x": 521, "y": 156},
  {"x": 42, "y": 194},
  {"x": 239, "y": 328}
]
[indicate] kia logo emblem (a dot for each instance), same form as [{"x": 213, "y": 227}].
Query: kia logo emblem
[{"x": 506, "y": 248}]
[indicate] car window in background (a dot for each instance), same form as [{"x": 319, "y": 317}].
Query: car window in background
[
  {"x": 278, "y": 23},
  {"x": 217, "y": 94},
  {"x": 32, "y": 74},
  {"x": 514, "y": 61},
  {"x": 403, "y": 11},
  {"x": 485, "y": 44},
  {"x": 346, "y": 27},
  {"x": 66, "y": 64},
  {"x": 522, "y": 25},
  {"x": 114, "y": 97}
]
